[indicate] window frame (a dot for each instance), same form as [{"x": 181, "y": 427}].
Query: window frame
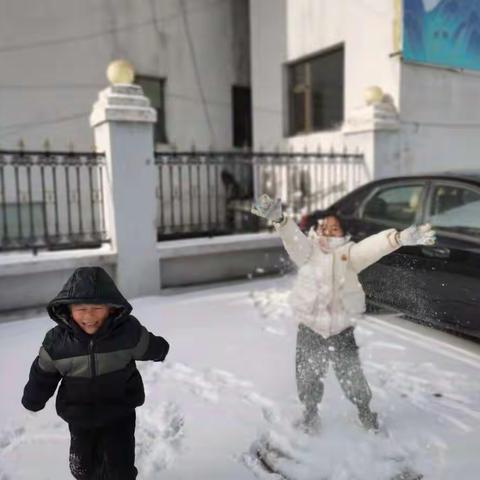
[
  {"x": 428, "y": 204},
  {"x": 161, "y": 112},
  {"x": 412, "y": 183},
  {"x": 306, "y": 90}
]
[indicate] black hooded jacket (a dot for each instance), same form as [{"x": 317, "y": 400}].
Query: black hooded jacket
[{"x": 100, "y": 381}]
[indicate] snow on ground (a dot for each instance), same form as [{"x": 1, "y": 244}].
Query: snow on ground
[{"x": 229, "y": 382}]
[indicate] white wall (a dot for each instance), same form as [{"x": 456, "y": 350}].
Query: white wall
[
  {"x": 268, "y": 47},
  {"x": 54, "y": 54},
  {"x": 439, "y": 108},
  {"x": 295, "y": 29},
  {"x": 440, "y": 115},
  {"x": 311, "y": 26}
]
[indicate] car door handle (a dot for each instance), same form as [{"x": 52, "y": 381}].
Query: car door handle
[{"x": 436, "y": 252}]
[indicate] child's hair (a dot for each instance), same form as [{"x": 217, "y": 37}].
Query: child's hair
[{"x": 321, "y": 215}]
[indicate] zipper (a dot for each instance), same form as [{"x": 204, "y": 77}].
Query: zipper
[
  {"x": 332, "y": 319},
  {"x": 92, "y": 384},
  {"x": 316, "y": 306},
  {"x": 92, "y": 358}
]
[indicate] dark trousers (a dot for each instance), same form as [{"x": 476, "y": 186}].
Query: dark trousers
[
  {"x": 104, "y": 453},
  {"x": 313, "y": 356}
]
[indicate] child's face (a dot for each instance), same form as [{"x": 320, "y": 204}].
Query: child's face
[
  {"x": 330, "y": 227},
  {"x": 89, "y": 317}
]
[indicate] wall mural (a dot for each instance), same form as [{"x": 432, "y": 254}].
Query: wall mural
[{"x": 442, "y": 32}]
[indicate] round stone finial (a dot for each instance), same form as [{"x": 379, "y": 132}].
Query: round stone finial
[
  {"x": 373, "y": 94},
  {"x": 120, "y": 72}
]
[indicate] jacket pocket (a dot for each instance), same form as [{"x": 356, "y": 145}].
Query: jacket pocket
[
  {"x": 111, "y": 387},
  {"x": 76, "y": 390}
]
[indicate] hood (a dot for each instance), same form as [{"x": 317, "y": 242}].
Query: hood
[{"x": 89, "y": 285}]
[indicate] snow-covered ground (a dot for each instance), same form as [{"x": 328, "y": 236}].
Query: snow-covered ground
[{"x": 229, "y": 381}]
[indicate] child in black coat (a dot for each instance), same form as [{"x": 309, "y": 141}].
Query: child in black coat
[{"x": 92, "y": 351}]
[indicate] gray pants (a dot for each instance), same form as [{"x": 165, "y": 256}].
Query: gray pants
[{"x": 313, "y": 356}]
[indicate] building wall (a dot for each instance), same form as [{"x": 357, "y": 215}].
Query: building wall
[
  {"x": 294, "y": 29},
  {"x": 54, "y": 54},
  {"x": 268, "y": 47},
  {"x": 440, "y": 115},
  {"x": 438, "y": 108},
  {"x": 310, "y": 26}
]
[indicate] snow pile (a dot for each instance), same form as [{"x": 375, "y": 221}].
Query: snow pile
[
  {"x": 343, "y": 451},
  {"x": 273, "y": 305},
  {"x": 158, "y": 437},
  {"x": 229, "y": 384}
]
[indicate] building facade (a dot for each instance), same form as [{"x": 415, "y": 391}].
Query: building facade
[
  {"x": 190, "y": 56},
  {"x": 312, "y": 62},
  {"x": 226, "y": 74}
]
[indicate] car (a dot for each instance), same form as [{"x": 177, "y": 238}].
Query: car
[{"x": 439, "y": 284}]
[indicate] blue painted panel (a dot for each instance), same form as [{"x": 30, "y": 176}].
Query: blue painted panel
[{"x": 442, "y": 32}]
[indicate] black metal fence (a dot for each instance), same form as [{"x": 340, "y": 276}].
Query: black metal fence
[
  {"x": 54, "y": 200},
  {"x": 210, "y": 193},
  {"x": 51, "y": 200}
]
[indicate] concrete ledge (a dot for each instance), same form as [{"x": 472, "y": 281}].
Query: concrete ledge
[
  {"x": 20, "y": 263},
  {"x": 230, "y": 243},
  {"x": 221, "y": 266},
  {"x": 28, "y": 281},
  {"x": 208, "y": 260}
]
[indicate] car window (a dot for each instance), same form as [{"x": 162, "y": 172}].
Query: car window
[
  {"x": 348, "y": 205},
  {"x": 456, "y": 209},
  {"x": 394, "y": 205}
]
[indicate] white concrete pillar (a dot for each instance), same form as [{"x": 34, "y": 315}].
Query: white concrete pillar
[
  {"x": 375, "y": 131},
  {"x": 123, "y": 124}
]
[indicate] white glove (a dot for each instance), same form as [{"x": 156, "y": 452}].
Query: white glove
[
  {"x": 267, "y": 208},
  {"x": 417, "y": 235}
]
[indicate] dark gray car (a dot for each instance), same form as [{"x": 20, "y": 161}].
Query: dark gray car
[{"x": 437, "y": 284}]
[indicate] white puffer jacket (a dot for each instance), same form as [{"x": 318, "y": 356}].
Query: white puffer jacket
[{"x": 327, "y": 295}]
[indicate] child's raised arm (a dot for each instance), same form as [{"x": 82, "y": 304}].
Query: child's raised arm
[
  {"x": 149, "y": 346},
  {"x": 42, "y": 381},
  {"x": 373, "y": 248},
  {"x": 298, "y": 247}
]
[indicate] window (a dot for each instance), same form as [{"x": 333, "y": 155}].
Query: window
[
  {"x": 455, "y": 209},
  {"x": 315, "y": 93},
  {"x": 242, "y": 116},
  {"x": 154, "y": 90},
  {"x": 396, "y": 206}
]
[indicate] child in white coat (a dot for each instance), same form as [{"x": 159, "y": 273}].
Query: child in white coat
[{"x": 326, "y": 299}]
